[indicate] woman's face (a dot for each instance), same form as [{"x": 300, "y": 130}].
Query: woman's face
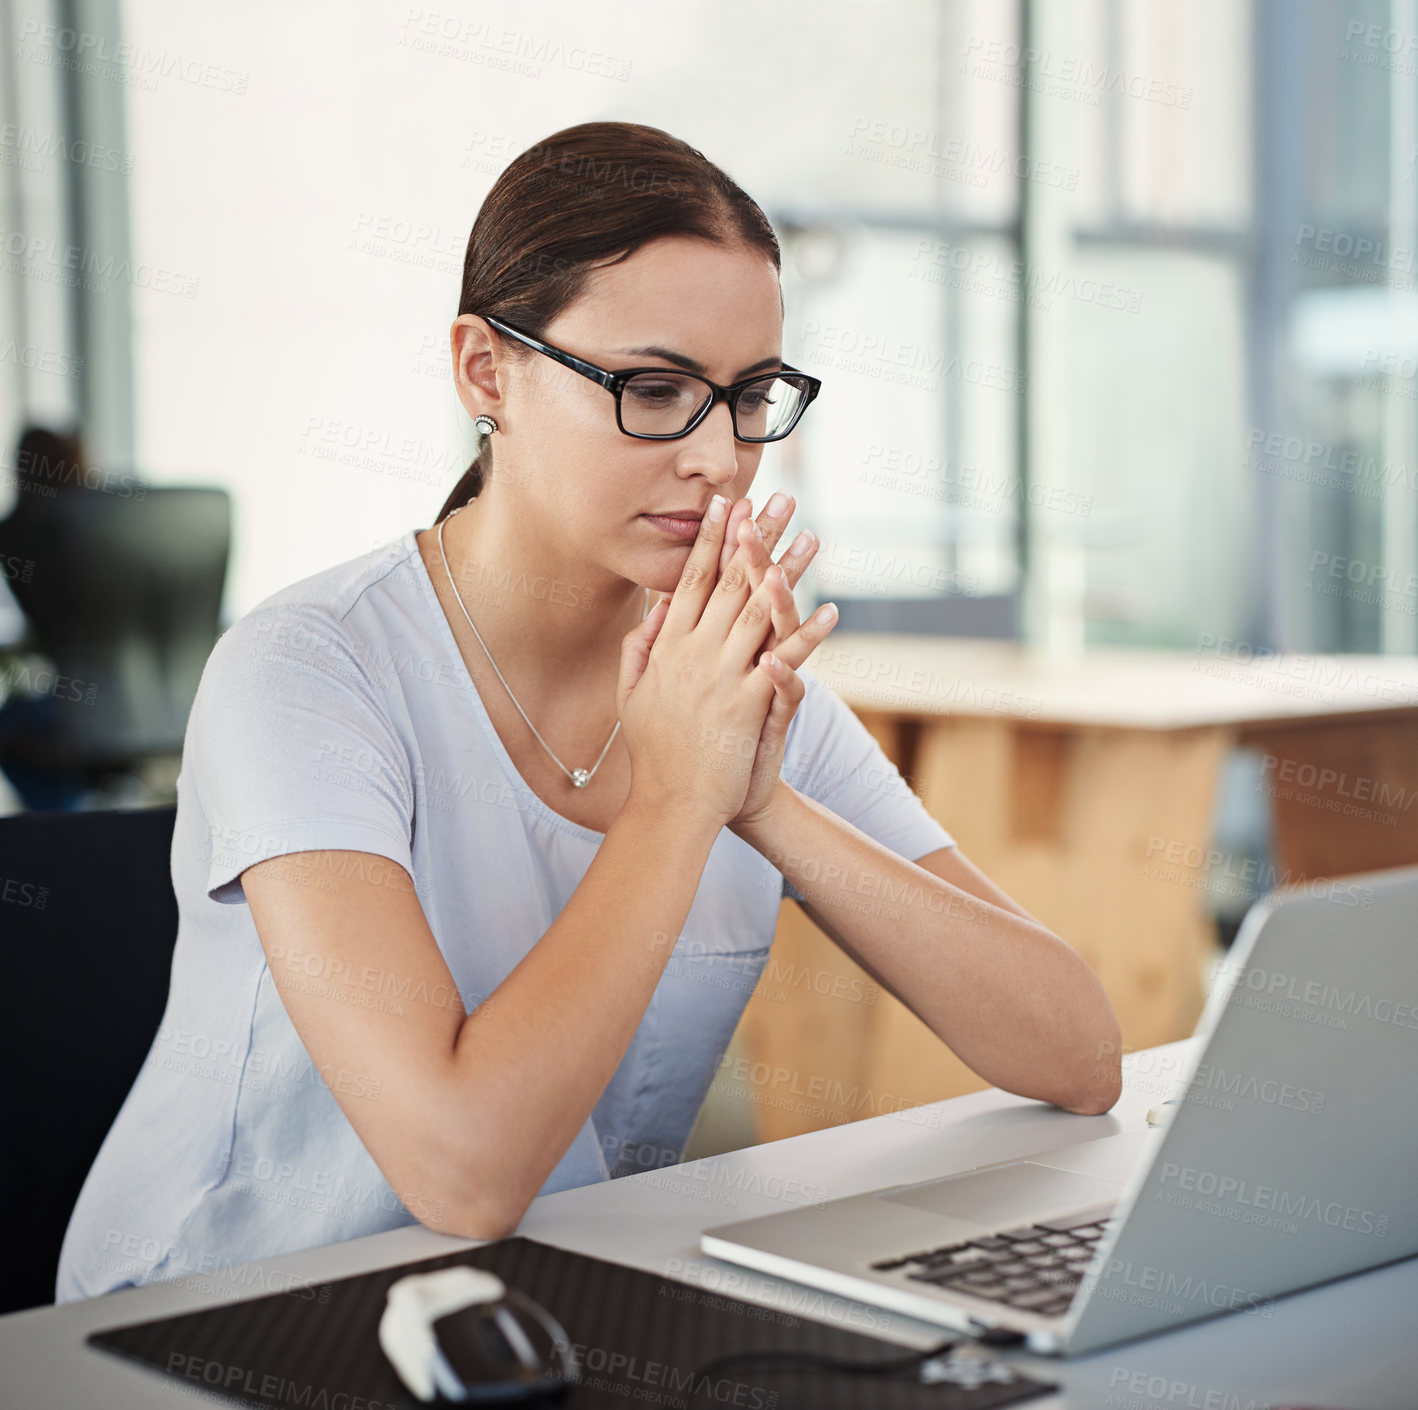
[{"x": 718, "y": 310}]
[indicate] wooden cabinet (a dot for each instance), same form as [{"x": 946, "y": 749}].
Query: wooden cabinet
[{"x": 1086, "y": 789}]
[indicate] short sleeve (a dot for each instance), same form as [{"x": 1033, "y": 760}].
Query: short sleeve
[
  {"x": 291, "y": 748},
  {"x": 831, "y": 756}
]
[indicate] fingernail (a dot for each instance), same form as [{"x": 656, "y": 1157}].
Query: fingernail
[
  {"x": 825, "y": 613},
  {"x": 757, "y": 530},
  {"x": 718, "y": 507},
  {"x": 801, "y": 543},
  {"x": 777, "y": 504}
]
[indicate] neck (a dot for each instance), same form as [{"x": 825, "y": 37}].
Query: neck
[{"x": 547, "y": 617}]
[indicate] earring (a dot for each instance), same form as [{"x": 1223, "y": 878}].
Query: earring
[{"x": 484, "y": 424}]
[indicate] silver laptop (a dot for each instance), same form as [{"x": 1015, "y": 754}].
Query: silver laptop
[{"x": 1287, "y": 1161}]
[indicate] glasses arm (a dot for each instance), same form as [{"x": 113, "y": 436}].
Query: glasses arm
[{"x": 587, "y": 369}]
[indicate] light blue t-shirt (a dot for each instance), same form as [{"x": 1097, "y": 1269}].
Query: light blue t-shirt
[{"x": 338, "y": 714}]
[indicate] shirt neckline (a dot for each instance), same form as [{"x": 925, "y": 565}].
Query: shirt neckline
[{"x": 450, "y": 644}]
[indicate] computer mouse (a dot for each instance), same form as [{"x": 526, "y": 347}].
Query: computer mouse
[{"x": 463, "y": 1334}]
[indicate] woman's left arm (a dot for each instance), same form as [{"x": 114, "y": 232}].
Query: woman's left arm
[
  {"x": 1012, "y": 999},
  {"x": 1006, "y": 994}
]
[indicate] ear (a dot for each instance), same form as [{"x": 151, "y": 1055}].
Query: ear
[{"x": 477, "y": 363}]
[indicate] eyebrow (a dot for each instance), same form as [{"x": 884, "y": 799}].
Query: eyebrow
[{"x": 690, "y": 365}]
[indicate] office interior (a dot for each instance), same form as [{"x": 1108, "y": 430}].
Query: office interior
[{"x": 1114, "y": 465}]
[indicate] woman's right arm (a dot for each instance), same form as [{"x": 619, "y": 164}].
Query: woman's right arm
[{"x": 474, "y": 1110}]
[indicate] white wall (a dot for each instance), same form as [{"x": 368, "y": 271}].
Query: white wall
[{"x": 310, "y": 335}]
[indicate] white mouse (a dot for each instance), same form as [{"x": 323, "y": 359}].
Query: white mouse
[{"x": 462, "y": 1333}]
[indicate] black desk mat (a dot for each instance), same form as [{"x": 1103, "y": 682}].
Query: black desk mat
[{"x": 639, "y": 1339}]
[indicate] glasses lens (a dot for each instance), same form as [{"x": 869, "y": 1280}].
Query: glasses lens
[
  {"x": 661, "y": 403},
  {"x": 768, "y": 408}
]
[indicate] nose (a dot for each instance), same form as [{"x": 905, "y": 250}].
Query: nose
[{"x": 710, "y": 449}]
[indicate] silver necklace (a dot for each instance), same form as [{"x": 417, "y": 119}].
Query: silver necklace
[{"x": 579, "y": 777}]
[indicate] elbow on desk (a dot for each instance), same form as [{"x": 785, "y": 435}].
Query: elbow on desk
[
  {"x": 1086, "y": 1078},
  {"x": 1090, "y": 1093},
  {"x": 1099, "y": 1091},
  {"x": 1100, "y": 1098},
  {"x": 470, "y": 1201},
  {"x": 1097, "y": 1053},
  {"x": 473, "y": 1219}
]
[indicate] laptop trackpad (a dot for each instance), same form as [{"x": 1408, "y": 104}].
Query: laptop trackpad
[{"x": 1021, "y": 1191}]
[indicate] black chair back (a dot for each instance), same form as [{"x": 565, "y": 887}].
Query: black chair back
[
  {"x": 89, "y": 920},
  {"x": 124, "y": 596}
]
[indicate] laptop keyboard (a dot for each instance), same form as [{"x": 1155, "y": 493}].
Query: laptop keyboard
[{"x": 1036, "y": 1267}]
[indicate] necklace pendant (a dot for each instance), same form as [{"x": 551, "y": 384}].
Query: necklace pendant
[{"x": 580, "y": 777}]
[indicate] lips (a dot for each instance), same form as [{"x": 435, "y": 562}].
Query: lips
[{"x": 681, "y": 526}]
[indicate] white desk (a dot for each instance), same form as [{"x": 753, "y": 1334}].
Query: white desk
[{"x": 1350, "y": 1343}]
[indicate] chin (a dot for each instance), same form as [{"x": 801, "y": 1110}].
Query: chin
[{"x": 660, "y": 572}]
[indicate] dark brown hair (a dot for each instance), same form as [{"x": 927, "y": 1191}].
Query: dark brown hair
[{"x": 586, "y": 196}]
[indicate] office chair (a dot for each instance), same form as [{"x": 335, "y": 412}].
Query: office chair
[
  {"x": 89, "y": 920},
  {"x": 124, "y": 597}
]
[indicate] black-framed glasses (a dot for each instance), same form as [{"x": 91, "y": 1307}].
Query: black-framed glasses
[{"x": 662, "y": 403}]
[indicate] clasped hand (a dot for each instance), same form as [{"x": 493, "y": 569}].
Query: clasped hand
[{"x": 709, "y": 680}]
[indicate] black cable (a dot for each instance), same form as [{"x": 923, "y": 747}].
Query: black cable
[
  {"x": 832, "y": 1363},
  {"x": 1000, "y": 1336}
]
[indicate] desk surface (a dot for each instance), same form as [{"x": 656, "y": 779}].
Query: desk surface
[
  {"x": 1128, "y": 688},
  {"x": 1348, "y": 1343}
]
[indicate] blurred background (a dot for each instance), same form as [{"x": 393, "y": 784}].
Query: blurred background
[{"x": 1112, "y": 300}]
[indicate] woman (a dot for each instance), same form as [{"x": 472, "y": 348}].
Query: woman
[{"x": 480, "y": 850}]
